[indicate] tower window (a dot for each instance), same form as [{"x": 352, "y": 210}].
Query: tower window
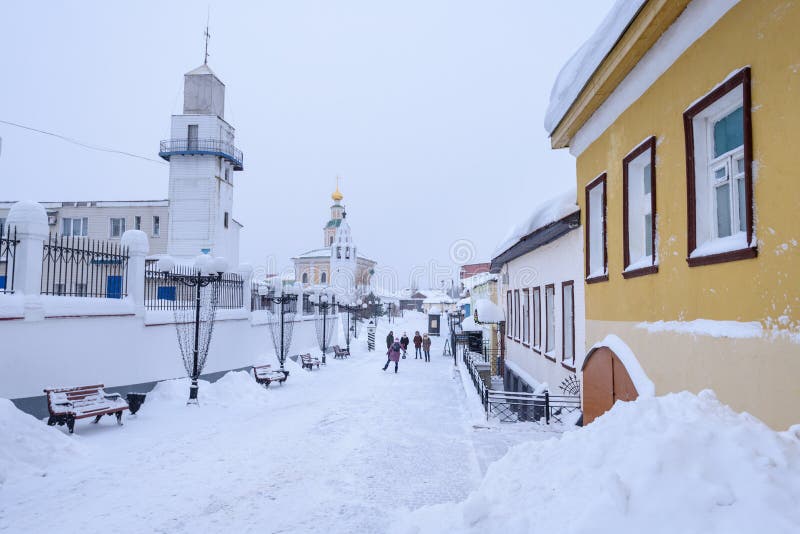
[
  {"x": 323, "y": 278},
  {"x": 330, "y": 241},
  {"x": 191, "y": 137},
  {"x": 347, "y": 253},
  {"x": 305, "y": 278},
  {"x": 225, "y": 221},
  {"x": 338, "y": 253}
]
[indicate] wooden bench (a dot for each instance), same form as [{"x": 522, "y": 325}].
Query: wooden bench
[
  {"x": 308, "y": 362},
  {"x": 68, "y": 404},
  {"x": 265, "y": 376},
  {"x": 340, "y": 353}
]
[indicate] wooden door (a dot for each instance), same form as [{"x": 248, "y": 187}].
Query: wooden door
[{"x": 605, "y": 380}]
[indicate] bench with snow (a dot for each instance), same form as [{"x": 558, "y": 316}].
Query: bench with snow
[
  {"x": 68, "y": 404},
  {"x": 265, "y": 376},
  {"x": 307, "y": 362},
  {"x": 340, "y": 353}
]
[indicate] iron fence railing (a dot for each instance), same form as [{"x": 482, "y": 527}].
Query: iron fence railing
[
  {"x": 259, "y": 302},
  {"x": 163, "y": 293},
  {"x": 81, "y": 267},
  {"x": 518, "y": 406},
  {"x": 8, "y": 251},
  {"x": 216, "y": 147}
]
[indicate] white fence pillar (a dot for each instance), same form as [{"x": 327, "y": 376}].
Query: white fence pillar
[
  {"x": 138, "y": 247},
  {"x": 30, "y": 220},
  {"x": 245, "y": 270}
]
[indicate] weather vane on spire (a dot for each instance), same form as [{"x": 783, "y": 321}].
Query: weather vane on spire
[{"x": 207, "y": 37}]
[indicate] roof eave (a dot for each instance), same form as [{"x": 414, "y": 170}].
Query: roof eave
[{"x": 538, "y": 238}]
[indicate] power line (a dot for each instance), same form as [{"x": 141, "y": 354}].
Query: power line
[{"x": 82, "y": 144}]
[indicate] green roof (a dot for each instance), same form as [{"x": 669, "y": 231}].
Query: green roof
[{"x": 334, "y": 223}]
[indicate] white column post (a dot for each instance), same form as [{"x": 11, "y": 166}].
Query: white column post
[
  {"x": 138, "y": 247},
  {"x": 245, "y": 270},
  {"x": 30, "y": 220}
]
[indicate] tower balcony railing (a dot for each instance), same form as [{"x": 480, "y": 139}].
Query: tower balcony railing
[{"x": 214, "y": 147}]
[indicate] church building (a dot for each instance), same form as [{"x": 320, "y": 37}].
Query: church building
[{"x": 338, "y": 263}]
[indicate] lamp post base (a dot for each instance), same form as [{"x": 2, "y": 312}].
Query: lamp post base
[{"x": 193, "y": 393}]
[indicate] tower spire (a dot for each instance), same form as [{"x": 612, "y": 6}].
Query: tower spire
[
  {"x": 337, "y": 195},
  {"x": 207, "y": 37}
]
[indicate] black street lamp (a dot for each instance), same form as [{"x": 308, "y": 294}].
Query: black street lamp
[
  {"x": 284, "y": 300},
  {"x": 323, "y": 305},
  {"x": 350, "y": 309},
  {"x": 206, "y": 271}
]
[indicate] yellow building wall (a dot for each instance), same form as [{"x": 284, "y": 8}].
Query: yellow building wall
[{"x": 764, "y": 35}]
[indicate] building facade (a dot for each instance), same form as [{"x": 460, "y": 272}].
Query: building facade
[
  {"x": 541, "y": 285},
  {"x": 338, "y": 263},
  {"x": 683, "y": 135}
]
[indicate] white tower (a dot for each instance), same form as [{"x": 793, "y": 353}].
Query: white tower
[
  {"x": 202, "y": 159},
  {"x": 343, "y": 260}
]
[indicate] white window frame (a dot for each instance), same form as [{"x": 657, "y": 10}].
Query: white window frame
[
  {"x": 111, "y": 233},
  {"x": 639, "y": 205},
  {"x": 536, "y": 302},
  {"x": 82, "y": 226},
  {"x": 596, "y": 247},
  {"x": 156, "y": 226},
  {"x": 550, "y": 320},
  {"x": 137, "y": 222}
]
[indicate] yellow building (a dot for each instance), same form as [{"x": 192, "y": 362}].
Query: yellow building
[
  {"x": 321, "y": 265},
  {"x": 684, "y": 118}
]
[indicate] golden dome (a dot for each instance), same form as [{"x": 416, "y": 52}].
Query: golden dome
[{"x": 337, "y": 195}]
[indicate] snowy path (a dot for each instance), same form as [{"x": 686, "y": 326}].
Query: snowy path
[{"x": 334, "y": 450}]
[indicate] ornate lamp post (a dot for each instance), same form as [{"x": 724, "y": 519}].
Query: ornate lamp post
[
  {"x": 350, "y": 308},
  {"x": 207, "y": 271},
  {"x": 323, "y": 305},
  {"x": 288, "y": 304}
]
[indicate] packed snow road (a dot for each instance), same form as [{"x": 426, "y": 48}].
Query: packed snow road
[{"x": 340, "y": 449}]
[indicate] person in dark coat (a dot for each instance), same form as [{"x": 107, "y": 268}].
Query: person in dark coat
[
  {"x": 404, "y": 343},
  {"x": 389, "y": 340},
  {"x": 426, "y": 347},
  {"x": 417, "y": 345},
  {"x": 393, "y": 354}
]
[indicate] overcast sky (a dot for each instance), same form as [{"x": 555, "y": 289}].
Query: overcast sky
[{"x": 431, "y": 111}]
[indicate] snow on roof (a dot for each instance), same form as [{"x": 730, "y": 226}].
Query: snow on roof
[
  {"x": 579, "y": 68},
  {"x": 468, "y": 325},
  {"x": 202, "y": 69},
  {"x": 547, "y": 212},
  {"x": 435, "y": 310},
  {"x": 488, "y": 312},
  {"x": 324, "y": 253},
  {"x": 464, "y": 301},
  {"x": 478, "y": 279}
]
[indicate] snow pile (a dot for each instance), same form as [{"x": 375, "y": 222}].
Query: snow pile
[
  {"x": 27, "y": 444},
  {"x": 233, "y": 389},
  {"x": 576, "y": 72},
  {"x": 549, "y": 211},
  {"x": 678, "y": 463}
]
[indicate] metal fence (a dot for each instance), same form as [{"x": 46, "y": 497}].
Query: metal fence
[
  {"x": 8, "y": 250},
  {"x": 163, "y": 293},
  {"x": 518, "y": 406},
  {"x": 81, "y": 267},
  {"x": 259, "y": 302}
]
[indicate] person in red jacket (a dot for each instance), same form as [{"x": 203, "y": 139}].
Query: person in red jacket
[{"x": 417, "y": 345}]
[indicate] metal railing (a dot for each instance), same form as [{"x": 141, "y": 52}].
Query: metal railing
[
  {"x": 518, "y": 406},
  {"x": 81, "y": 267},
  {"x": 163, "y": 293},
  {"x": 214, "y": 147},
  {"x": 8, "y": 251}
]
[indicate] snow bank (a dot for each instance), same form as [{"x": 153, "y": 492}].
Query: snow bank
[
  {"x": 678, "y": 463},
  {"x": 233, "y": 389},
  {"x": 549, "y": 211},
  {"x": 576, "y": 72},
  {"x": 26, "y": 444}
]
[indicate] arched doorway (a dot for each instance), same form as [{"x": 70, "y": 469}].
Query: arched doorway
[{"x": 605, "y": 381}]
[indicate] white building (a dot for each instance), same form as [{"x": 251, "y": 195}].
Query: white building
[
  {"x": 541, "y": 281},
  {"x": 198, "y": 215}
]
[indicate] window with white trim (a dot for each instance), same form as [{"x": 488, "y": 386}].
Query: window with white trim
[
  {"x": 137, "y": 222},
  {"x": 537, "y": 318},
  {"x": 75, "y": 226},
  {"x": 116, "y": 227},
  {"x": 526, "y": 316},
  {"x": 568, "y": 323},
  {"x": 640, "y": 209},
  {"x": 596, "y": 261},
  {"x": 719, "y": 173},
  {"x": 550, "y": 318},
  {"x": 509, "y": 316},
  {"x": 156, "y": 226}
]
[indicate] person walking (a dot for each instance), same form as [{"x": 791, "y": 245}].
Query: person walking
[
  {"x": 389, "y": 340},
  {"x": 417, "y": 345},
  {"x": 426, "y": 347},
  {"x": 393, "y": 354},
  {"x": 404, "y": 343}
]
